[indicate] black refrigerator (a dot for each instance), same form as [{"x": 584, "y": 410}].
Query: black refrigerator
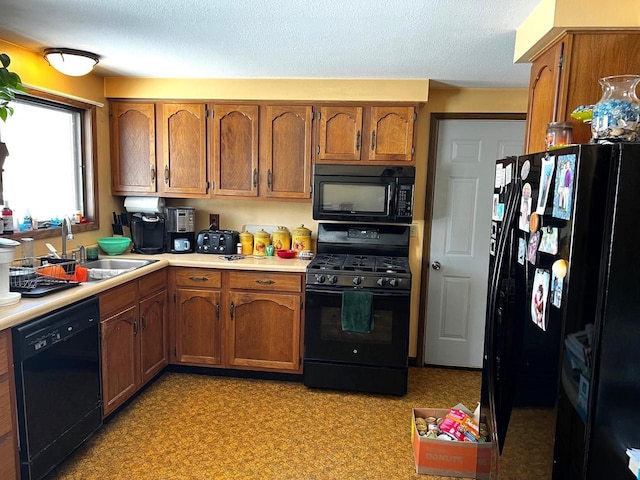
[{"x": 561, "y": 372}]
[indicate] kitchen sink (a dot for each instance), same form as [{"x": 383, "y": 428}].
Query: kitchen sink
[
  {"x": 104, "y": 268},
  {"x": 117, "y": 263}
]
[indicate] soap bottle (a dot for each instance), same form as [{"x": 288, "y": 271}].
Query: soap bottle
[
  {"x": 27, "y": 221},
  {"x": 7, "y": 219}
]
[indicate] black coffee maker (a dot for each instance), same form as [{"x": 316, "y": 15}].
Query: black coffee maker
[{"x": 147, "y": 232}]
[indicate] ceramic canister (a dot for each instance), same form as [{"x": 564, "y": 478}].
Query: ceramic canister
[
  {"x": 260, "y": 241},
  {"x": 246, "y": 239},
  {"x": 301, "y": 239},
  {"x": 281, "y": 239}
]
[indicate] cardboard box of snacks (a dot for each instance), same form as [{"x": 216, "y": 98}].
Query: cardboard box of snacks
[{"x": 447, "y": 457}]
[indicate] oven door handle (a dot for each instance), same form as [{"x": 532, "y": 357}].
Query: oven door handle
[{"x": 376, "y": 293}]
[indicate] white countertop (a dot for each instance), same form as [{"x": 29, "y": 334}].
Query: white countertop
[{"x": 29, "y": 308}]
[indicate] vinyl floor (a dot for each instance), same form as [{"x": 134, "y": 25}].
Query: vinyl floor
[{"x": 201, "y": 427}]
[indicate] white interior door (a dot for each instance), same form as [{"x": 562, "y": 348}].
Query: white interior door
[{"x": 460, "y": 233}]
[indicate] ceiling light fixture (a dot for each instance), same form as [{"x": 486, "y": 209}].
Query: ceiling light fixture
[{"x": 71, "y": 62}]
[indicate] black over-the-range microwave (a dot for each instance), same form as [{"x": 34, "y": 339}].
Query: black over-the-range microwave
[{"x": 363, "y": 193}]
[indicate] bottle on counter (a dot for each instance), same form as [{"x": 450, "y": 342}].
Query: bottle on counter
[
  {"x": 27, "y": 221},
  {"x": 7, "y": 219}
]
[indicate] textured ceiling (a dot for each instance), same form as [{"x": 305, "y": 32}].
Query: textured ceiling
[{"x": 455, "y": 42}]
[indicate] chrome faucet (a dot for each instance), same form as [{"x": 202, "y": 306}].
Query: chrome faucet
[{"x": 66, "y": 235}]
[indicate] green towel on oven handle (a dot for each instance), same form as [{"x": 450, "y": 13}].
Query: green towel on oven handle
[{"x": 357, "y": 311}]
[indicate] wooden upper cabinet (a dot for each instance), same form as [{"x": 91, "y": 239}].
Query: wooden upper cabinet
[
  {"x": 287, "y": 151},
  {"x": 340, "y": 136},
  {"x": 391, "y": 137},
  {"x": 133, "y": 148},
  {"x": 543, "y": 97},
  {"x": 235, "y": 150},
  {"x": 184, "y": 149},
  {"x": 565, "y": 75}
]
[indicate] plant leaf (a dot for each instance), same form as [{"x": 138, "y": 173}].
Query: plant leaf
[
  {"x": 5, "y": 60},
  {"x": 3, "y": 114}
]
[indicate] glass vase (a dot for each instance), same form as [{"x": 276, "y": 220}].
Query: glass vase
[{"x": 616, "y": 117}]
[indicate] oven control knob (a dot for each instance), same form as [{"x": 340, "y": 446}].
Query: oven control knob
[
  {"x": 319, "y": 278},
  {"x": 332, "y": 279},
  {"x": 357, "y": 280},
  {"x": 393, "y": 282},
  {"x": 381, "y": 282}
]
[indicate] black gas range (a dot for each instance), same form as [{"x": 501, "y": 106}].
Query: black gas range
[{"x": 358, "y": 290}]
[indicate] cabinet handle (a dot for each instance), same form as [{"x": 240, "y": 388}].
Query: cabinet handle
[
  {"x": 153, "y": 174},
  {"x": 358, "y": 141},
  {"x": 144, "y": 323},
  {"x": 373, "y": 140},
  {"x": 233, "y": 307},
  {"x": 269, "y": 179},
  {"x": 255, "y": 177},
  {"x": 217, "y": 311},
  {"x": 198, "y": 279},
  {"x": 265, "y": 282},
  {"x": 166, "y": 174},
  {"x": 135, "y": 328}
]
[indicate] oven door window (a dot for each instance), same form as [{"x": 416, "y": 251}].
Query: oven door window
[
  {"x": 356, "y": 197},
  {"x": 386, "y": 344}
]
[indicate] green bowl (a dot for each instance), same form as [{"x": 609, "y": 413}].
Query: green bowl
[{"x": 114, "y": 245}]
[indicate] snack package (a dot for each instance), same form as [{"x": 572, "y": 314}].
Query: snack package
[{"x": 460, "y": 426}]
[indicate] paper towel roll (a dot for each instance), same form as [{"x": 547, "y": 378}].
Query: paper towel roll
[{"x": 144, "y": 204}]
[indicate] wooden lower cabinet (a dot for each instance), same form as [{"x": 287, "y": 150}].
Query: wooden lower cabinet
[
  {"x": 264, "y": 330},
  {"x": 198, "y": 326},
  {"x": 134, "y": 337},
  {"x": 230, "y": 319},
  {"x": 8, "y": 428}
]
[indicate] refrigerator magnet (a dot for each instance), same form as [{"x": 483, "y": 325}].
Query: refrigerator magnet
[
  {"x": 563, "y": 193},
  {"x": 539, "y": 298},
  {"x": 546, "y": 174},
  {"x": 522, "y": 248},
  {"x": 494, "y": 209},
  {"x": 532, "y": 250},
  {"x": 524, "y": 171},
  {"x": 549, "y": 240},
  {"x": 499, "y": 181},
  {"x": 556, "y": 290},
  {"x": 507, "y": 174},
  {"x": 525, "y": 207}
]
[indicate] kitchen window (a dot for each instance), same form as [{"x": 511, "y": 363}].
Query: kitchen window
[{"x": 50, "y": 167}]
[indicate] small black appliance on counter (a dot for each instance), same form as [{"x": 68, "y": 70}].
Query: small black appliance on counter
[
  {"x": 147, "y": 232},
  {"x": 180, "y": 229},
  {"x": 217, "y": 241}
]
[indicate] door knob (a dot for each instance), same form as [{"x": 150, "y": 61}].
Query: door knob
[{"x": 436, "y": 265}]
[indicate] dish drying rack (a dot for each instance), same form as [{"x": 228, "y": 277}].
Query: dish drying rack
[{"x": 31, "y": 274}]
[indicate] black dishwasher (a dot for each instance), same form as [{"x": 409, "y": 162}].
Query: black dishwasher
[{"x": 57, "y": 370}]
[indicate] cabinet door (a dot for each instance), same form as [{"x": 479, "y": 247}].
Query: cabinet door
[
  {"x": 120, "y": 367},
  {"x": 133, "y": 148},
  {"x": 154, "y": 355},
  {"x": 391, "y": 137},
  {"x": 340, "y": 134},
  {"x": 184, "y": 149},
  {"x": 543, "y": 97},
  {"x": 288, "y": 151},
  {"x": 198, "y": 326},
  {"x": 235, "y": 150},
  {"x": 8, "y": 428},
  {"x": 264, "y": 331}
]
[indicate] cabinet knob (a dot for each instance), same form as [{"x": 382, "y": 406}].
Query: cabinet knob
[
  {"x": 232, "y": 310},
  {"x": 373, "y": 140},
  {"x": 153, "y": 174},
  {"x": 269, "y": 179},
  {"x": 265, "y": 282},
  {"x": 166, "y": 174},
  {"x": 217, "y": 311},
  {"x": 358, "y": 141},
  {"x": 255, "y": 177}
]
